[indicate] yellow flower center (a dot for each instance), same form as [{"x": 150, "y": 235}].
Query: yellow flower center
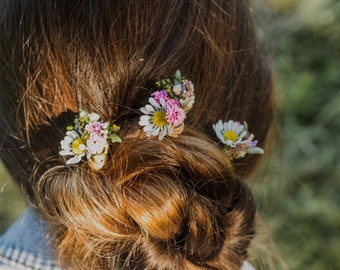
[
  {"x": 76, "y": 146},
  {"x": 159, "y": 119},
  {"x": 230, "y": 135}
]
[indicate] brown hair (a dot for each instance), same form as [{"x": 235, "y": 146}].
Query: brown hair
[{"x": 178, "y": 203}]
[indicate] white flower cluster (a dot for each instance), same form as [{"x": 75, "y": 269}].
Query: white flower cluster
[
  {"x": 89, "y": 138},
  {"x": 236, "y": 138},
  {"x": 167, "y": 108}
]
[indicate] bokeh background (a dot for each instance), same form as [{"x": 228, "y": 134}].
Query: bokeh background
[{"x": 298, "y": 188}]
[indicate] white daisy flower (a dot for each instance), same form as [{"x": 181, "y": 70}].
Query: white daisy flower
[
  {"x": 72, "y": 145},
  {"x": 231, "y": 133},
  {"x": 154, "y": 121},
  {"x": 238, "y": 142}
]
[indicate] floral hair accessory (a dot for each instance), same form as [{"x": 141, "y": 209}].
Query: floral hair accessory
[
  {"x": 236, "y": 138},
  {"x": 167, "y": 108},
  {"x": 89, "y": 138}
]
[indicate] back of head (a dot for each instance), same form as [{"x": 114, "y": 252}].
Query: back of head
[{"x": 178, "y": 203}]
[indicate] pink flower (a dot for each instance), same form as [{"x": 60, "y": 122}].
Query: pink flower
[
  {"x": 94, "y": 128},
  {"x": 97, "y": 140},
  {"x": 188, "y": 88},
  {"x": 96, "y": 144},
  {"x": 160, "y": 94},
  {"x": 175, "y": 115}
]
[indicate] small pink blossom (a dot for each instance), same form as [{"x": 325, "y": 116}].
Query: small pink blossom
[
  {"x": 158, "y": 95},
  {"x": 94, "y": 128},
  {"x": 174, "y": 113},
  {"x": 96, "y": 143},
  {"x": 188, "y": 88}
]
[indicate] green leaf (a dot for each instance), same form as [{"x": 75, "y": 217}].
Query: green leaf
[
  {"x": 254, "y": 150},
  {"x": 178, "y": 77},
  {"x": 115, "y": 138}
]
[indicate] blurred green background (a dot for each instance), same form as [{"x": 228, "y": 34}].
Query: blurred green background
[
  {"x": 298, "y": 189},
  {"x": 299, "y": 199}
]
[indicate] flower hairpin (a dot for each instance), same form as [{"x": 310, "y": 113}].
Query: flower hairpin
[
  {"x": 89, "y": 138},
  {"x": 236, "y": 138},
  {"x": 167, "y": 108}
]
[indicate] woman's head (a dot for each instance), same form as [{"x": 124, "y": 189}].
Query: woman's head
[{"x": 179, "y": 200}]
